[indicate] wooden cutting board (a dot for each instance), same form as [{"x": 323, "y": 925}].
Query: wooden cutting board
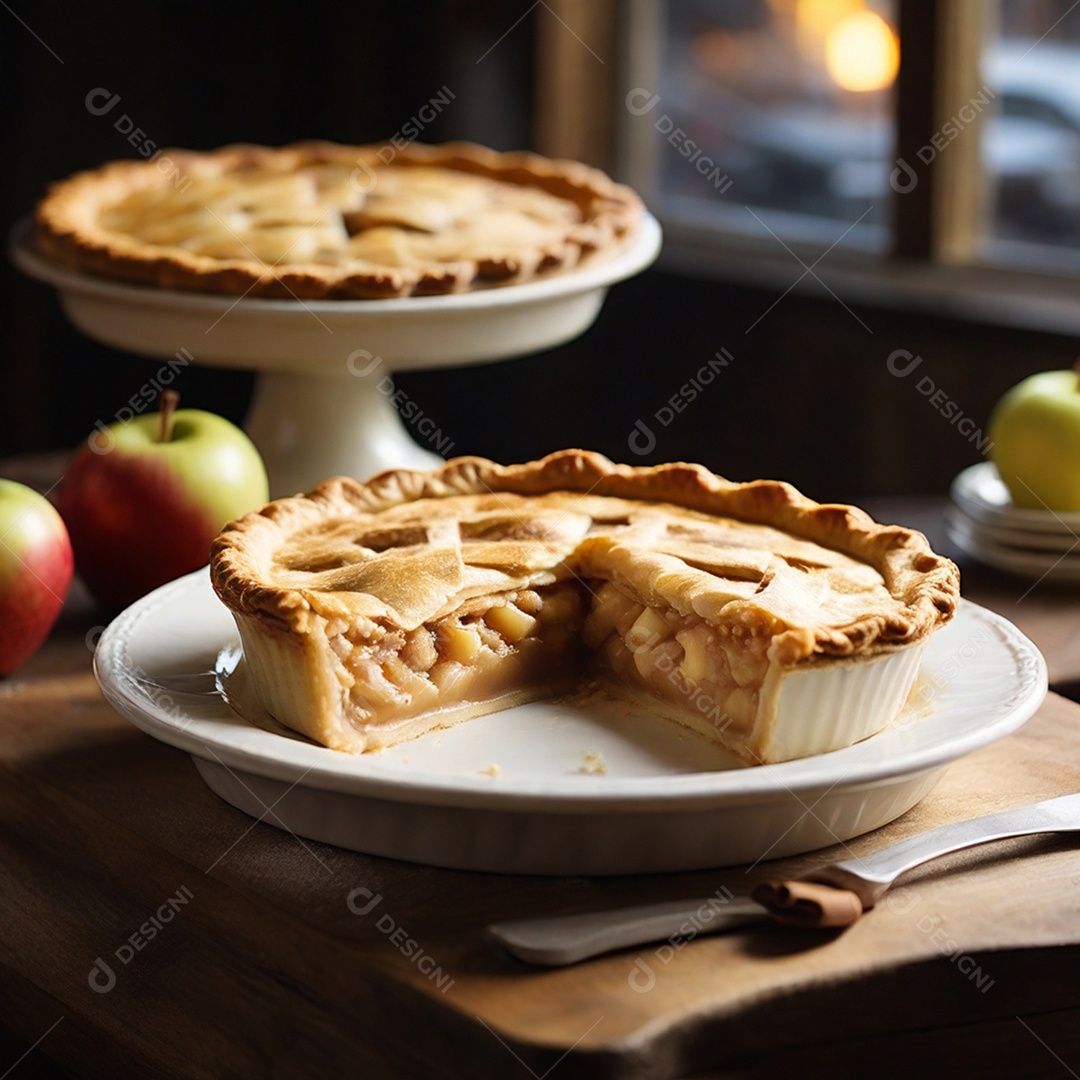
[{"x": 237, "y": 949}]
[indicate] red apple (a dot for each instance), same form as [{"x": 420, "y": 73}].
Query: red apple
[
  {"x": 35, "y": 572},
  {"x": 145, "y": 497}
]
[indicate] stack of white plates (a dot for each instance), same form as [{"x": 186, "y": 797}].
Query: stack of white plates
[{"x": 983, "y": 522}]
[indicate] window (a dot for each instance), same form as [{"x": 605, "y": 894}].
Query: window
[
  {"x": 772, "y": 115},
  {"x": 1031, "y": 143},
  {"x": 930, "y": 147}
]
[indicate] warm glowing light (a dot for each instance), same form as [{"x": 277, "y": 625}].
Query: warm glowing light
[
  {"x": 815, "y": 19},
  {"x": 862, "y": 53}
]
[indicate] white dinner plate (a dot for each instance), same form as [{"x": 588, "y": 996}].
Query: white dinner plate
[
  {"x": 1032, "y": 562},
  {"x": 1011, "y": 539},
  {"x": 980, "y": 493},
  {"x": 553, "y": 788}
]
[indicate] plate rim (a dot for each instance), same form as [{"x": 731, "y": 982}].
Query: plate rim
[
  {"x": 639, "y": 254},
  {"x": 674, "y": 793}
]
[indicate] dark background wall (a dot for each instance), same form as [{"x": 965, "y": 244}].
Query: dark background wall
[{"x": 807, "y": 395}]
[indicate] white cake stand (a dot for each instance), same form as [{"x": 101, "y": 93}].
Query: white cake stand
[{"x": 324, "y": 400}]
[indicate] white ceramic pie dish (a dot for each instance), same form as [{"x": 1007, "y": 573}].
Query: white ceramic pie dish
[{"x": 551, "y": 789}]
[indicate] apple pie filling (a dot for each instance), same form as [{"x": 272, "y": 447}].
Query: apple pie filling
[
  {"x": 535, "y": 642},
  {"x": 538, "y": 641},
  {"x": 515, "y": 645},
  {"x": 710, "y": 675}
]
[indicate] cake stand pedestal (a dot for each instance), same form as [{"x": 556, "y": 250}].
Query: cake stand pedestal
[{"x": 325, "y": 402}]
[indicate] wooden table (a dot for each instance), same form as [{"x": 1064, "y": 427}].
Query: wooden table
[{"x": 233, "y": 949}]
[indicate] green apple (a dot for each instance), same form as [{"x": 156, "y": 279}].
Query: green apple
[
  {"x": 144, "y": 497},
  {"x": 1035, "y": 431},
  {"x": 35, "y": 571}
]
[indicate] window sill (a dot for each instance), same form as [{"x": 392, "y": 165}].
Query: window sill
[{"x": 982, "y": 294}]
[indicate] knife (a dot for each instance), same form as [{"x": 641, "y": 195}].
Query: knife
[{"x": 834, "y": 895}]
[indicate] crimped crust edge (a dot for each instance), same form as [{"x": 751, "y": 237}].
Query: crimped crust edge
[
  {"x": 68, "y": 232},
  {"x": 927, "y": 584}
]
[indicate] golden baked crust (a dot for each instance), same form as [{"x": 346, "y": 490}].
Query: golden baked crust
[
  {"x": 925, "y": 585},
  {"x": 317, "y": 220},
  {"x": 751, "y": 577}
]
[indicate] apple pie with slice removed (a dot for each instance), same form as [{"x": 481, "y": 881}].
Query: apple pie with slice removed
[{"x": 777, "y": 626}]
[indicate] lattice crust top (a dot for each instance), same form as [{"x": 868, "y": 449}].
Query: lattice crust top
[
  {"x": 408, "y": 548},
  {"x": 319, "y": 220}
]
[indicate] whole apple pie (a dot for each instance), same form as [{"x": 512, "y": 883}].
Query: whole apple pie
[
  {"x": 319, "y": 220},
  {"x": 779, "y": 627}
]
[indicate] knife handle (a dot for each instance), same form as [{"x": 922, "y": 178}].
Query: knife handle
[{"x": 566, "y": 939}]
